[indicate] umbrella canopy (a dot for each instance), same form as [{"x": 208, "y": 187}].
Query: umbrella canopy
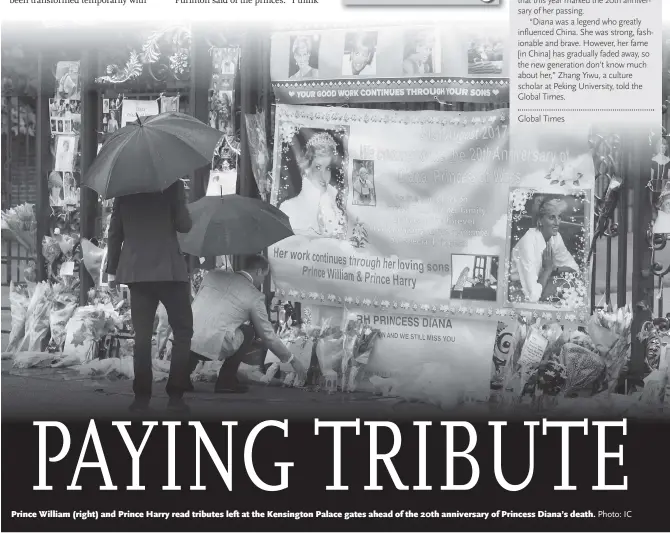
[
  {"x": 151, "y": 154},
  {"x": 233, "y": 225}
]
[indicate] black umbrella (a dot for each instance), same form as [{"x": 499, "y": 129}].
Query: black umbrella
[
  {"x": 233, "y": 225},
  {"x": 151, "y": 154}
]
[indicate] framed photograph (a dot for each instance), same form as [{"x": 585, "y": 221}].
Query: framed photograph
[
  {"x": 60, "y": 125},
  {"x": 66, "y": 150},
  {"x": 105, "y": 106},
  {"x": 54, "y": 125},
  {"x": 548, "y": 245},
  {"x": 67, "y": 125}
]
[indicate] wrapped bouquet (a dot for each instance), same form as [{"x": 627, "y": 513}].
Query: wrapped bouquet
[
  {"x": 93, "y": 259},
  {"x": 89, "y": 325},
  {"x": 300, "y": 341},
  {"x": 64, "y": 306},
  {"x": 19, "y": 223},
  {"x": 359, "y": 343},
  {"x": 37, "y": 318},
  {"x": 582, "y": 367},
  {"x": 19, "y": 300},
  {"x": 330, "y": 353},
  {"x": 612, "y": 330}
]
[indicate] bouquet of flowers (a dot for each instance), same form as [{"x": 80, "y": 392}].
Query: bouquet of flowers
[
  {"x": 359, "y": 343},
  {"x": 583, "y": 367},
  {"x": 617, "y": 325},
  {"x": 300, "y": 343},
  {"x": 21, "y": 225},
  {"x": 64, "y": 305},
  {"x": 19, "y": 300},
  {"x": 37, "y": 318},
  {"x": 551, "y": 378},
  {"x": 51, "y": 250},
  {"x": 330, "y": 353},
  {"x": 196, "y": 281},
  {"x": 93, "y": 258},
  {"x": 88, "y": 325},
  {"x": 607, "y": 326},
  {"x": 163, "y": 332}
]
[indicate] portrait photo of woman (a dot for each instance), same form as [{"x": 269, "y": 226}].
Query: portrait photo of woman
[
  {"x": 304, "y": 62},
  {"x": 66, "y": 147},
  {"x": 420, "y": 53},
  {"x": 548, "y": 236},
  {"x": 314, "y": 178},
  {"x": 56, "y": 193}
]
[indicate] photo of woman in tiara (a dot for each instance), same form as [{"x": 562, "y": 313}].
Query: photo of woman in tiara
[{"x": 313, "y": 182}]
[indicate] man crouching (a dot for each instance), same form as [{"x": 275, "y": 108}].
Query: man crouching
[{"x": 225, "y": 304}]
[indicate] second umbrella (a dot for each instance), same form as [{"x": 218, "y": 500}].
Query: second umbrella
[{"x": 233, "y": 225}]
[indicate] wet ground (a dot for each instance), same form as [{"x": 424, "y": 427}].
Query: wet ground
[{"x": 62, "y": 393}]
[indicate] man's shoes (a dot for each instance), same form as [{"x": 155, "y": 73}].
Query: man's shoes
[
  {"x": 139, "y": 406},
  {"x": 235, "y": 388},
  {"x": 178, "y": 405}
]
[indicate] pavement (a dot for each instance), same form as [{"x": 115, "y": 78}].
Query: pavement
[{"x": 63, "y": 394}]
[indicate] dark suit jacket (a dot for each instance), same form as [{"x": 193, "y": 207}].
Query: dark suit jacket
[{"x": 142, "y": 241}]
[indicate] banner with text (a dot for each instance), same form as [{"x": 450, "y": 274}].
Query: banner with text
[
  {"x": 483, "y": 91},
  {"x": 390, "y": 63},
  {"x": 443, "y": 358},
  {"x": 395, "y": 210}
]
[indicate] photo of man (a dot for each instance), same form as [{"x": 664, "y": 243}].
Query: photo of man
[{"x": 360, "y": 54}]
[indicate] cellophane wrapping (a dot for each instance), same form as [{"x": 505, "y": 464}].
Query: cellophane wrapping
[
  {"x": 20, "y": 224},
  {"x": 65, "y": 302},
  {"x": 37, "y": 318},
  {"x": 359, "y": 344},
  {"x": 19, "y": 300},
  {"x": 88, "y": 325}
]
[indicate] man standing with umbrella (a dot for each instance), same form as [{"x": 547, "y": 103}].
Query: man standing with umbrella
[
  {"x": 144, "y": 254},
  {"x": 140, "y": 166}
]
